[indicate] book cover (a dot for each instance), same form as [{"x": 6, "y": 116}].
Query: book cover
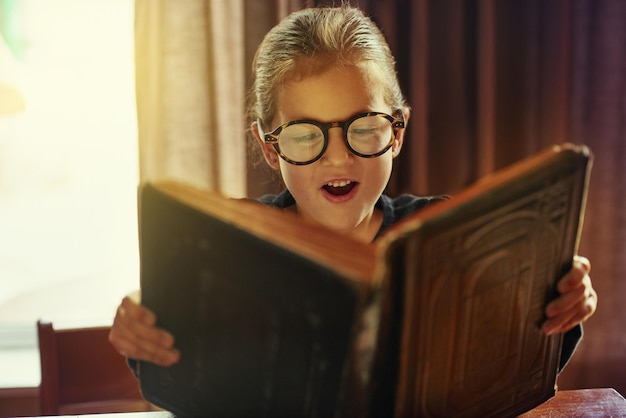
[
  {"x": 440, "y": 317},
  {"x": 481, "y": 270}
]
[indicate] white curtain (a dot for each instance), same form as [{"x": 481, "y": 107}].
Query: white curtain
[{"x": 190, "y": 76}]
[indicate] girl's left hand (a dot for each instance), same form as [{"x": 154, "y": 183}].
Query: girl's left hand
[{"x": 577, "y": 301}]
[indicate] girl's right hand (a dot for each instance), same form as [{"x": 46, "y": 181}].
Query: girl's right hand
[{"x": 134, "y": 334}]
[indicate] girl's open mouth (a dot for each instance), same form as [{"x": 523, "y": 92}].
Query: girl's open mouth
[{"x": 340, "y": 188}]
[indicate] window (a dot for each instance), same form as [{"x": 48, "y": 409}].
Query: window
[{"x": 68, "y": 172}]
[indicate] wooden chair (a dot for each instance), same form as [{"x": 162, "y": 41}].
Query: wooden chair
[{"x": 81, "y": 373}]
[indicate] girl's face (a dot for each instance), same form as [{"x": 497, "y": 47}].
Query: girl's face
[{"x": 340, "y": 189}]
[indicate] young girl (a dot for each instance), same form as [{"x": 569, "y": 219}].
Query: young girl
[{"x": 329, "y": 115}]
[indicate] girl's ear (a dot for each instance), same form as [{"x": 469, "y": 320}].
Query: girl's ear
[
  {"x": 269, "y": 153},
  {"x": 397, "y": 143}
]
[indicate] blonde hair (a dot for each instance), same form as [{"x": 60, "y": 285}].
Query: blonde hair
[{"x": 309, "y": 41}]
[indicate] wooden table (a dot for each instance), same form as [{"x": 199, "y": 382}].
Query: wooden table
[{"x": 584, "y": 403}]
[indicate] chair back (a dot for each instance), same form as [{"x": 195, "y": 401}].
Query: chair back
[{"x": 81, "y": 373}]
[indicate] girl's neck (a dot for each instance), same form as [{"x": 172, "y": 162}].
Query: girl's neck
[{"x": 367, "y": 230}]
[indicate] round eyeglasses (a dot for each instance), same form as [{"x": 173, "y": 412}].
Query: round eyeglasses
[{"x": 303, "y": 142}]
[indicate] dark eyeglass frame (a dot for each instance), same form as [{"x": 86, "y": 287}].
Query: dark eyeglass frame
[{"x": 397, "y": 123}]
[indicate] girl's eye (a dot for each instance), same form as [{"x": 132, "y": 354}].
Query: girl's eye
[
  {"x": 363, "y": 131},
  {"x": 301, "y": 134},
  {"x": 306, "y": 138}
]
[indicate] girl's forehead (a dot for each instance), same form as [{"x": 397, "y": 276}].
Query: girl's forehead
[{"x": 337, "y": 92}]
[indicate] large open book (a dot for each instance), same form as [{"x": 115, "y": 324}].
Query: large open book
[{"x": 439, "y": 317}]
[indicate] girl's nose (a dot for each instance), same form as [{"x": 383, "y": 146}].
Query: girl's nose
[{"x": 337, "y": 153}]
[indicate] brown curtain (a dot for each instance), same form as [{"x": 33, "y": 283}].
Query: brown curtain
[
  {"x": 597, "y": 117},
  {"x": 491, "y": 82}
]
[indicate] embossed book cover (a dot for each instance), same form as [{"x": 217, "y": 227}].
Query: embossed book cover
[{"x": 440, "y": 317}]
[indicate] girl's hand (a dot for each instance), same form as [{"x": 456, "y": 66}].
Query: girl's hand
[
  {"x": 577, "y": 301},
  {"x": 135, "y": 335}
]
